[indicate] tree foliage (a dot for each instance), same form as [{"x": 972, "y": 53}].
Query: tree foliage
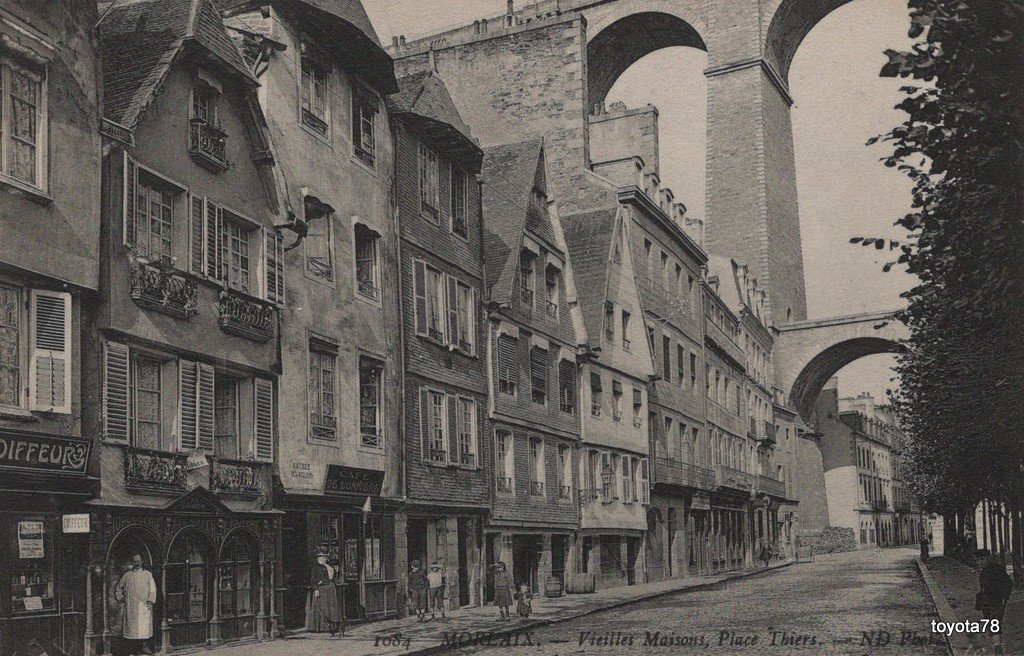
[{"x": 961, "y": 397}]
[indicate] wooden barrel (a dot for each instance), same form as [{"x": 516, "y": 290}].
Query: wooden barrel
[{"x": 553, "y": 587}]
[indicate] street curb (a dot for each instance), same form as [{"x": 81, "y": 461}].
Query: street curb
[
  {"x": 957, "y": 643},
  {"x": 536, "y": 624}
]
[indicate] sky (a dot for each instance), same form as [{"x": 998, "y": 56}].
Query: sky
[{"x": 839, "y": 102}]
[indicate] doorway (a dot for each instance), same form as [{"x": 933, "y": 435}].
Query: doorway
[
  {"x": 189, "y": 574},
  {"x": 559, "y": 548},
  {"x": 632, "y": 549},
  {"x": 526, "y": 560},
  {"x": 119, "y": 559}
]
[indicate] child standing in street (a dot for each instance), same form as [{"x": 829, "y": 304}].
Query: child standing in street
[
  {"x": 436, "y": 594},
  {"x": 525, "y": 605},
  {"x": 503, "y": 587}
]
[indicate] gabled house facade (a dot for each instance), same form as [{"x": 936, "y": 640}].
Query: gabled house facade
[
  {"x": 614, "y": 468},
  {"x": 446, "y": 461},
  {"x": 50, "y": 95},
  {"x": 532, "y": 347},
  {"x": 324, "y": 79},
  {"x": 181, "y": 358}
]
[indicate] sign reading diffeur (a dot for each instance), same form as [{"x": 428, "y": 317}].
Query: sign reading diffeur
[{"x": 43, "y": 453}]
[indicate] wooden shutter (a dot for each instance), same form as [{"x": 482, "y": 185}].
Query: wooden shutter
[
  {"x": 420, "y": 287},
  {"x": 116, "y": 383},
  {"x": 567, "y": 382},
  {"x": 188, "y": 405},
  {"x": 507, "y": 369},
  {"x": 645, "y": 481},
  {"x": 539, "y": 370},
  {"x": 273, "y": 265},
  {"x": 50, "y": 352},
  {"x": 213, "y": 240},
  {"x": 452, "y": 402},
  {"x": 263, "y": 418},
  {"x": 130, "y": 185},
  {"x": 197, "y": 233},
  {"x": 205, "y": 404},
  {"x": 424, "y": 424},
  {"x": 453, "y": 310}
]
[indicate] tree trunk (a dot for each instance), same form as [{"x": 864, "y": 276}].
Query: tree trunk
[{"x": 1016, "y": 545}]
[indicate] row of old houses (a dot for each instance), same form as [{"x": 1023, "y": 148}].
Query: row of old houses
[{"x": 261, "y": 297}]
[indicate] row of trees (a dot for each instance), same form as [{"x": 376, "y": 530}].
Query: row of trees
[{"x": 961, "y": 397}]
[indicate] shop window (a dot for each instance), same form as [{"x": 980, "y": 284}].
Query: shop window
[
  {"x": 322, "y": 417},
  {"x": 23, "y": 124},
  {"x": 371, "y": 376},
  {"x": 318, "y": 246},
  {"x": 367, "y": 263},
  {"x": 314, "y": 87},
  {"x": 31, "y": 566},
  {"x": 187, "y": 576},
  {"x": 373, "y": 561},
  {"x": 238, "y": 585},
  {"x": 429, "y": 176},
  {"x": 459, "y": 201}
]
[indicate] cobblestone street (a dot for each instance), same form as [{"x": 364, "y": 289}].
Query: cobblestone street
[{"x": 819, "y": 607}]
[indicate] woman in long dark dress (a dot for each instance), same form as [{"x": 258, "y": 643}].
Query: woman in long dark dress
[
  {"x": 323, "y": 612},
  {"x": 503, "y": 588}
]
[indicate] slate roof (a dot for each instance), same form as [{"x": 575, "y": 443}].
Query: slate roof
[
  {"x": 509, "y": 171},
  {"x": 728, "y": 281},
  {"x": 140, "y": 38},
  {"x": 424, "y": 98},
  {"x": 589, "y": 238}
]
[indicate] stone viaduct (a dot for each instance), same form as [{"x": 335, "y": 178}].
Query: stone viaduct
[{"x": 540, "y": 69}]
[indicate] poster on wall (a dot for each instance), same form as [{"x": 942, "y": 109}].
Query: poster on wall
[{"x": 30, "y": 540}]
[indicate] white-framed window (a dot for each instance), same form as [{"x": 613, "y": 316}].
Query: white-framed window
[
  {"x": 638, "y": 407},
  {"x": 504, "y": 462},
  {"x": 459, "y": 198},
  {"x": 323, "y": 418},
  {"x": 235, "y": 260},
  {"x": 537, "y": 476},
  {"x": 314, "y": 89},
  {"x": 564, "y": 471},
  {"x": 551, "y": 275},
  {"x": 508, "y": 364},
  {"x": 466, "y": 319},
  {"x": 364, "y": 123},
  {"x": 429, "y": 176},
  {"x": 628, "y": 494},
  {"x": 371, "y": 402},
  {"x": 23, "y": 122},
  {"x": 644, "y": 481},
  {"x": 434, "y": 406},
  {"x": 318, "y": 248},
  {"x": 626, "y": 343},
  {"x": 596, "y": 394},
  {"x": 466, "y": 426},
  {"x": 567, "y": 386},
  {"x": 367, "y": 246},
  {"x": 527, "y": 275},
  {"x": 616, "y": 400},
  {"x": 227, "y": 429}
]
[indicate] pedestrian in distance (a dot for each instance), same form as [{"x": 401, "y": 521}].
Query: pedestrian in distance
[
  {"x": 435, "y": 596},
  {"x": 503, "y": 589},
  {"x": 524, "y": 603},
  {"x": 995, "y": 587},
  {"x": 419, "y": 587},
  {"x": 766, "y": 554}
]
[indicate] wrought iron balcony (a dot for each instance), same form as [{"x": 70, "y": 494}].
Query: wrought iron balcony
[
  {"x": 637, "y": 421},
  {"x": 504, "y": 485},
  {"x": 246, "y": 316},
  {"x": 537, "y": 488},
  {"x": 736, "y": 479},
  {"x": 468, "y": 459},
  {"x": 564, "y": 491},
  {"x": 772, "y": 486},
  {"x": 617, "y": 415},
  {"x": 762, "y": 430},
  {"x": 163, "y": 289},
  {"x": 674, "y": 472},
  {"x": 207, "y": 145},
  {"x": 237, "y": 477},
  {"x": 437, "y": 455},
  {"x": 372, "y": 439},
  {"x": 879, "y": 505},
  {"x": 146, "y": 470},
  {"x": 589, "y": 494}
]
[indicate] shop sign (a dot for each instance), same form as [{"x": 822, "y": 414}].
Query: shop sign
[
  {"x": 30, "y": 539},
  {"x": 44, "y": 453},
  {"x": 351, "y": 480},
  {"x": 196, "y": 460},
  {"x": 77, "y": 523},
  {"x": 700, "y": 502}
]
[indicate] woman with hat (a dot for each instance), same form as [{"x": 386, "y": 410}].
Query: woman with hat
[{"x": 323, "y": 612}]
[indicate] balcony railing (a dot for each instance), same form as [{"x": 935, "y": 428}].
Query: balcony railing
[
  {"x": 154, "y": 471},
  {"x": 504, "y": 485},
  {"x": 617, "y": 415},
  {"x": 246, "y": 316},
  {"x": 736, "y": 479},
  {"x": 468, "y": 459},
  {"x": 675, "y": 472},
  {"x": 772, "y": 486},
  {"x": 564, "y": 491},
  {"x": 437, "y": 455},
  {"x": 237, "y": 477},
  {"x": 371, "y": 439},
  {"x": 208, "y": 145},
  {"x": 163, "y": 289},
  {"x": 589, "y": 494},
  {"x": 637, "y": 421},
  {"x": 537, "y": 488},
  {"x": 552, "y": 309},
  {"x": 879, "y": 505},
  {"x": 762, "y": 430}
]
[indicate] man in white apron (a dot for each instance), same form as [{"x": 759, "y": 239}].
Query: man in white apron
[{"x": 137, "y": 593}]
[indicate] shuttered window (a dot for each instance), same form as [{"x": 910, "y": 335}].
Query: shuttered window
[
  {"x": 596, "y": 395},
  {"x": 371, "y": 375},
  {"x": 567, "y": 386},
  {"x": 322, "y": 418},
  {"x": 420, "y": 287},
  {"x": 273, "y": 266},
  {"x": 429, "y": 175},
  {"x": 539, "y": 375},
  {"x": 616, "y": 400},
  {"x": 128, "y": 200},
  {"x": 638, "y": 407},
  {"x": 50, "y": 352},
  {"x": 11, "y": 349},
  {"x": 147, "y": 391},
  {"x": 197, "y": 401},
  {"x": 434, "y": 425},
  {"x": 508, "y": 369},
  {"x": 467, "y": 434},
  {"x": 197, "y": 233},
  {"x": 188, "y": 405},
  {"x": 116, "y": 382},
  {"x": 263, "y": 419},
  {"x": 645, "y": 481},
  {"x": 226, "y": 431},
  {"x": 666, "y": 358}
]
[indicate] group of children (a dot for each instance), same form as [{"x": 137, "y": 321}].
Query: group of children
[{"x": 426, "y": 592}]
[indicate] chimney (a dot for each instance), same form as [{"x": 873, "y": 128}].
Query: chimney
[
  {"x": 510, "y": 18},
  {"x": 431, "y": 61},
  {"x": 394, "y": 42},
  {"x": 401, "y": 40}
]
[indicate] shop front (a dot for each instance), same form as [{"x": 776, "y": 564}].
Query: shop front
[
  {"x": 214, "y": 571},
  {"x": 356, "y": 528},
  {"x": 453, "y": 540},
  {"x": 44, "y": 479}
]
